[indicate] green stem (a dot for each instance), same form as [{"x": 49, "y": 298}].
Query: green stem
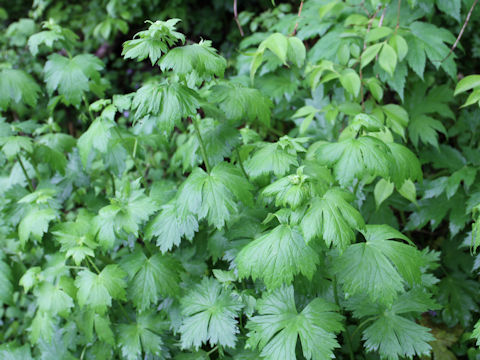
[
  {"x": 114, "y": 190},
  {"x": 202, "y": 145},
  {"x": 87, "y": 105},
  {"x": 347, "y": 337},
  {"x": 240, "y": 162},
  {"x": 212, "y": 351},
  {"x": 363, "y": 323},
  {"x": 30, "y": 184},
  {"x": 134, "y": 159},
  {"x": 93, "y": 265}
]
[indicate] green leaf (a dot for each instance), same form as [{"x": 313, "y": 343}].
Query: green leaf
[
  {"x": 278, "y": 326},
  {"x": 142, "y": 335},
  {"x": 150, "y": 278},
  {"x": 35, "y": 223},
  {"x": 378, "y": 33},
  {"x": 332, "y": 218},
  {"x": 212, "y": 196},
  {"x": 277, "y": 256},
  {"x": 6, "y": 284},
  {"x": 399, "y": 44},
  {"x": 72, "y": 77},
  {"x": 97, "y": 291},
  {"x": 209, "y": 313},
  {"x": 201, "y": 58},
  {"x": 296, "y": 51},
  {"x": 379, "y": 267},
  {"x": 350, "y": 81},
  {"x": 356, "y": 158},
  {"x": 166, "y": 102},
  {"x": 153, "y": 42},
  {"x": 276, "y": 43},
  {"x": 408, "y": 191},
  {"x": 383, "y": 190},
  {"x": 450, "y": 7},
  {"x": 388, "y": 59},
  {"x": 129, "y": 209},
  {"x": 426, "y": 129},
  {"x": 467, "y": 83},
  {"x": 370, "y": 53},
  {"x": 52, "y": 299},
  {"x": 241, "y": 103},
  {"x": 170, "y": 225},
  {"x": 96, "y": 137},
  {"x": 275, "y": 157},
  {"x": 16, "y": 87}
]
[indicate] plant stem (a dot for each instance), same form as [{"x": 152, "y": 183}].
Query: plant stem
[
  {"x": 235, "y": 14},
  {"x": 134, "y": 159},
  {"x": 202, "y": 145},
  {"x": 30, "y": 184},
  {"x": 346, "y": 332},
  {"x": 93, "y": 265},
  {"x": 240, "y": 162},
  {"x": 87, "y": 105},
  {"x": 114, "y": 190},
  {"x": 212, "y": 351}
]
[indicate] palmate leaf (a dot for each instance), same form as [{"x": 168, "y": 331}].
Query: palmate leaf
[
  {"x": 144, "y": 335},
  {"x": 405, "y": 165},
  {"x": 16, "y": 87},
  {"x": 242, "y": 103},
  {"x": 356, "y": 158},
  {"x": 153, "y": 42},
  {"x": 332, "y": 218},
  {"x": 97, "y": 291},
  {"x": 171, "y": 225},
  {"x": 275, "y": 157},
  {"x": 213, "y": 196},
  {"x": 277, "y": 256},
  {"x": 71, "y": 76},
  {"x": 35, "y": 223},
  {"x": 151, "y": 278},
  {"x": 209, "y": 313},
  {"x": 166, "y": 103},
  {"x": 95, "y": 138},
  {"x": 393, "y": 333},
  {"x": 129, "y": 209},
  {"x": 278, "y": 325},
  {"x": 201, "y": 58},
  {"x": 379, "y": 267}
]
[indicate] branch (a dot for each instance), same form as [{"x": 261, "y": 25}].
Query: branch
[
  {"x": 235, "y": 14},
  {"x": 298, "y": 19},
  {"x": 452, "y": 49}
]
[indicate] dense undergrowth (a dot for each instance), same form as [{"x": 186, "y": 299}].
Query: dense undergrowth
[{"x": 307, "y": 191}]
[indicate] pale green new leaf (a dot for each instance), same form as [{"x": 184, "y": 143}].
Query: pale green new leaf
[
  {"x": 278, "y": 326},
  {"x": 277, "y": 256},
  {"x": 153, "y": 42},
  {"x": 209, "y": 316}
]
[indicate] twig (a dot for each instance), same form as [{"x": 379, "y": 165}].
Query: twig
[
  {"x": 383, "y": 16},
  {"x": 235, "y": 14},
  {"x": 452, "y": 49},
  {"x": 298, "y": 19}
]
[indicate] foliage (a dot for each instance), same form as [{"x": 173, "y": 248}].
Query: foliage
[{"x": 306, "y": 191}]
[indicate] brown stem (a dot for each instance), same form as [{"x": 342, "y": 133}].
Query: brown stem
[
  {"x": 298, "y": 18},
  {"x": 398, "y": 15},
  {"x": 452, "y": 49},
  {"x": 235, "y": 14}
]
